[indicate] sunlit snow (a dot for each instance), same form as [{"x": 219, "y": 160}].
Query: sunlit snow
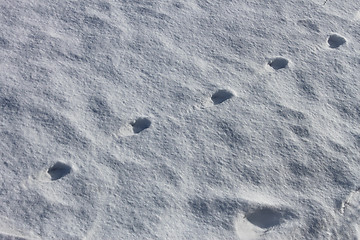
[{"x": 179, "y": 119}]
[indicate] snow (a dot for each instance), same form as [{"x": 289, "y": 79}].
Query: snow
[{"x": 179, "y": 119}]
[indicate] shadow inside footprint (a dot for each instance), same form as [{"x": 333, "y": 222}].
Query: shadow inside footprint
[
  {"x": 59, "y": 170},
  {"x": 221, "y": 96},
  {"x": 264, "y": 218},
  {"x": 336, "y": 41},
  {"x": 140, "y": 124},
  {"x": 278, "y": 63}
]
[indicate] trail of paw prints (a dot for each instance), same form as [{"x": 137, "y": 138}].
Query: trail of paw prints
[
  {"x": 218, "y": 97},
  {"x": 335, "y": 41},
  {"x": 134, "y": 127}
]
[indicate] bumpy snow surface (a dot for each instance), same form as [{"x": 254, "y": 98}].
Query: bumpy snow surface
[{"x": 165, "y": 119}]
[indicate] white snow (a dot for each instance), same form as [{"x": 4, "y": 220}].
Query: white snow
[{"x": 179, "y": 119}]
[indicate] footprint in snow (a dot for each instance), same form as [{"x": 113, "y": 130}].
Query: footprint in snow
[
  {"x": 134, "y": 127},
  {"x": 221, "y": 96},
  {"x": 58, "y": 170},
  {"x": 278, "y": 63},
  {"x": 218, "y": 97},
  {"x": 140, "y": 124},
  {"x": 262, "y": 219},
  {"x": 336, "y": 41}
]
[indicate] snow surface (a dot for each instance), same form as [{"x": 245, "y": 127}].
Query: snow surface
[{"x": 196, "y": 119}]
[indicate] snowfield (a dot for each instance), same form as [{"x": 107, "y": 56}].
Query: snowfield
[{"x": 164, "y": 119}]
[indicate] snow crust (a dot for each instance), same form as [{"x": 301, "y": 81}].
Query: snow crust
[{"x": 179, "y": 119}]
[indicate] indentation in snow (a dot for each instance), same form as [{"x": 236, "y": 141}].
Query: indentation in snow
[
  {"x": 221, "y": 96},
  {"x": 278, "y": 63},
  {"x": 336, "y": 41},
  {"x": 59, "y": 170},
  {"x": 140, "y": 124}
]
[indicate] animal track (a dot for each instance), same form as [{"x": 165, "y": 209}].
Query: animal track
[
  {"x": 58, "y": 170},
  {"x": 134, "y": 127},
  {"x": 221, "y": 96},
  {"x": 264, "y": 217},
  {"x": 336, "y": 41},
  {"x": 216, "y": 98},
  {"x": 260, "y": 220},
  {"x": 140, "y": 124},
  {"x": 267, "y": 217},
  {"x": 278, "y": 63}
]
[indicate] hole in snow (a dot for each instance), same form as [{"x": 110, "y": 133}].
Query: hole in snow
[
  {"x": 140, "y": 124},
  {"x": 265, "y": 217},
  {"x": 221, "y": 96},
  {"x": 336, "y": 41},
  {"x": 58, "y": 171},
  {"x": 278, "y": 63}
]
